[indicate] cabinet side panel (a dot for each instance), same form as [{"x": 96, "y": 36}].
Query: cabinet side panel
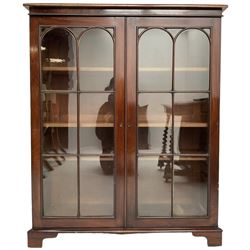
[
  {"x": 214, "y": 134},
  {"x": 35, "y": 121}
]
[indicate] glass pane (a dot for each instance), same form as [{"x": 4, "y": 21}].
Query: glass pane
[
  {"x": 190, "y": 186},
  {"x": 97, "y": 123},
  {"x": 96, "y": 60},
  {"x": 154, "y": 194},
  {"x": 60, "y": 186},
  {"x": 59, "y": 123},
  {"x": 154, "y": 123},
  {"x": 191, "y": 112},
  {"x": 58, "y": 53},
  {"x": 155, "y": 60},
  {"x": 192, "y": 61},
  {"x": 208, "y": 31},
  {"x": 96, "y": 188}
]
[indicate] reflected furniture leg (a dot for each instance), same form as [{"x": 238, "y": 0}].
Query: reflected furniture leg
[
  {"x": 35, "y": 238},
  {"x": 161, "y": 162}
]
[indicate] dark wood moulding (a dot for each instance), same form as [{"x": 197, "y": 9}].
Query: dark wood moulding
[{"x": 189, "y": 10}]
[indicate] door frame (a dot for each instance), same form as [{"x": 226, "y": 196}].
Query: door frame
[
  {"x": 37, "y": 198},
  {"x": 132, "y": 221}
]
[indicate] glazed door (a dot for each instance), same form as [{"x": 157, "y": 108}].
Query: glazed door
[
  {"x": 80, "y": 164},
  {"x": 171, "y": 142}
]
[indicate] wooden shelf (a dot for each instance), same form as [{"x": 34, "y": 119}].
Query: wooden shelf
[
  {"x": 176, "y": 125},
  {"x": 97, "y": 158},
  {"x": 181, "y": 158},
  {"x": 82, "y": 158},
  {"x": 153, "y": 121},
  {"x": 74, "y": 125},
  {"x": 88, "y": 69},
  {"x": 110, "y": 125},
  {"x": 110, "y": 69}
]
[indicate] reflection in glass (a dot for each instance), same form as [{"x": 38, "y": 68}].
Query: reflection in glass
[
  {"x": 97, "y": 111},
  {"x": 59, "y": 123},
  {"x": 96, "y": 59},
  {"x": 153, "y": 120},
  {"x": 190, "y": 186},
  {"x": 191, "y": 111},
  {"x": 154, "y": 194},
  {"x": 97, "y": 125},
  {"x": 96, "y": 189},
  {"x": 59, "y": 186},
  {"x": 155, "y": 60},
  {"x": 192, "y": 53},
  {"x": 58, "y": 53}
]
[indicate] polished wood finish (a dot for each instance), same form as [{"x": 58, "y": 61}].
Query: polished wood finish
[
  {"x": 190, "y": 10},
  {"x": 132, "y": 219},
  {"x": 35, "y": 237},
  {"x": 126, "y": 6},
  {"x": 125, "y": 19},
  {"x": 38, "y": 220},
  {"x": 214, "y": 237}
]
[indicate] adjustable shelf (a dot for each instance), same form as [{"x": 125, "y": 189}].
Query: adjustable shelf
[
  {"x": 110, "y": 69},
  {"x": 109, "y": 125}
]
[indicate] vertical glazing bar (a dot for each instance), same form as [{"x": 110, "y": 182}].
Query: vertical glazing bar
[
  {"x": 113, "y": 36},
  {"x": 137, "y": 126},
  {"x": 78, "y": 128},
  {"x": 172, "y": 139},
  {"x": 209, "y": 126}
]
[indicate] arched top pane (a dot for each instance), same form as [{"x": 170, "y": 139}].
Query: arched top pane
[
  {"x": 192, "y": 58},
  {"x": 58, "y": 60},
  {"x": 96, "y": 59},
  {"x": 155, "y": 60}
]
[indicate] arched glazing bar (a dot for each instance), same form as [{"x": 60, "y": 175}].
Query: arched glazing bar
[
  {"x": 96, "y": 59},
  {"x": 192, "y": 60},
  {"x": 154, "y": 82},
  {"x": 46, "y": 31},
  {"x": 158, "y": 28},
  {"x": 207, "y": 31},
  {"x": 174, "y": 37},
  {"x": 186, "y": 29},
  {"x": 191, "y": 103},
  {"x": 96, "y": 98},
  {"x": 155, "y": 56},
  {"x": 91, "y": 28},
  {"x": 59, "y": 109},
  {"x": 58, "y": 54}
]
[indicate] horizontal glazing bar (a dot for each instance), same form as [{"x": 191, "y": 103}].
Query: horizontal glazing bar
[
  {"x": 184, "y": 155},
  {"x": 82, "y": 217},
  {"x": 174, "y": 91},
  {"x": 176, "y": 158},
  {"x": 59, "y": 154},
  {"x": 74, "y": 91},
  {"x": 177, "y": 69},
  {"x": 80, "y": 155}
]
